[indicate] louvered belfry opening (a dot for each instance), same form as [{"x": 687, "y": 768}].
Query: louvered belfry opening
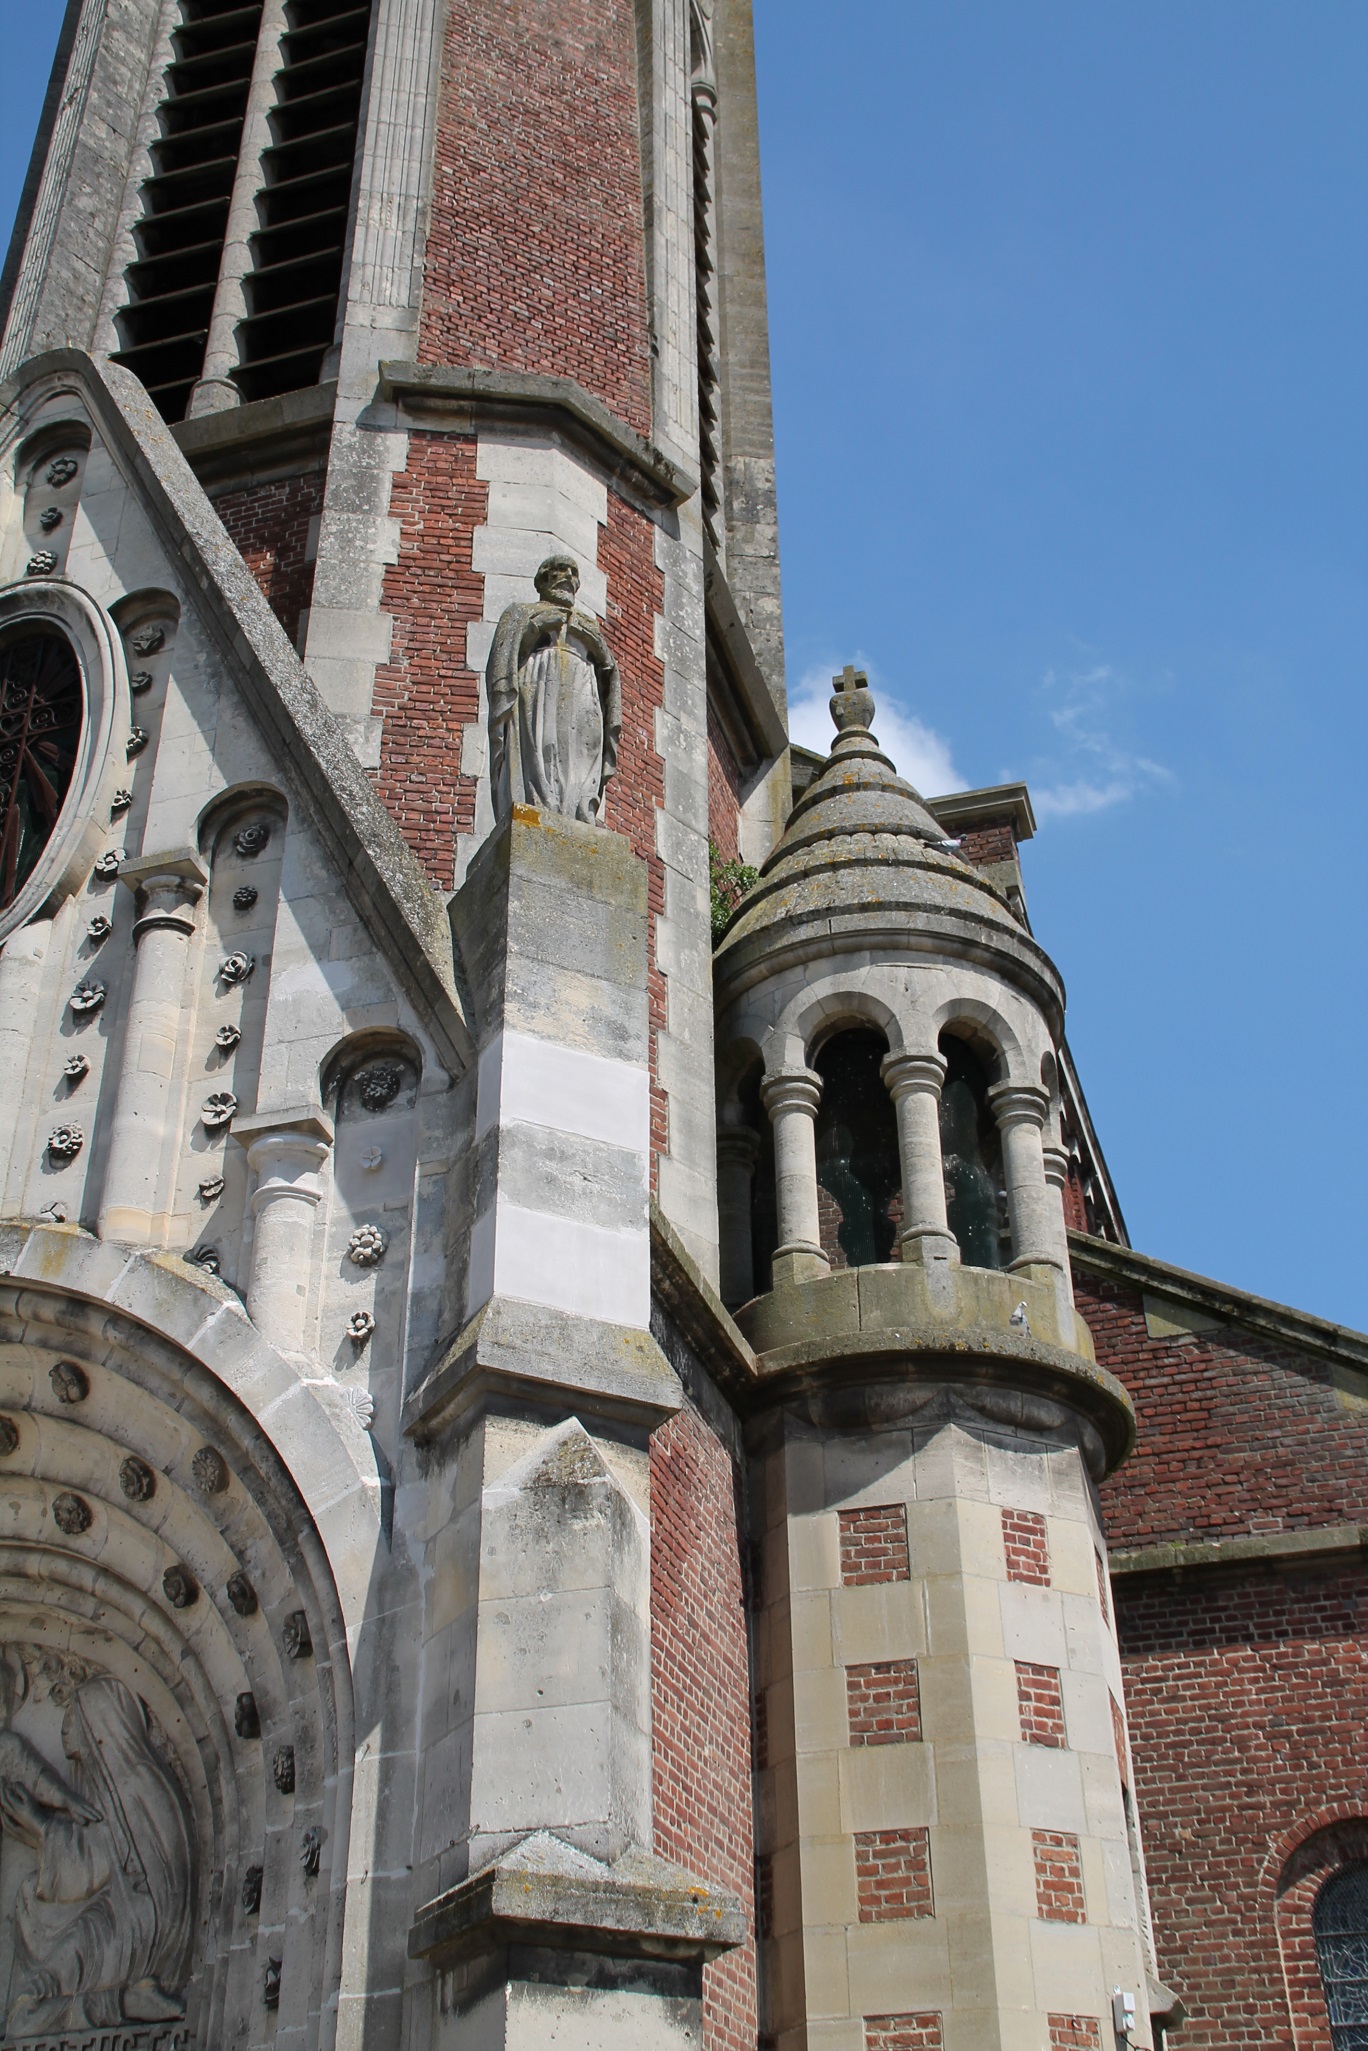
[
  {"x": 305, "y": 198},
  {"x": 179, "y": 239}
]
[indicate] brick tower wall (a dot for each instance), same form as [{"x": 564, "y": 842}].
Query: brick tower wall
[
  {"x": 1246, "y": 1685},
  {"x": 269, "y": 525},
  {"x": 536, "y": 254}
]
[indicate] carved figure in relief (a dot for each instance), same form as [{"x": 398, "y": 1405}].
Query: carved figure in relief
[
  {"x": 555, "y": 702},
  {"x": 102, "y": 1927}
]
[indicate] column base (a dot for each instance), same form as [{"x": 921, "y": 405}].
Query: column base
[
  {"x": 925, "y": 1246},
  {"x": 792, "y": 1264},
  {"x": 212, "y": 395}
]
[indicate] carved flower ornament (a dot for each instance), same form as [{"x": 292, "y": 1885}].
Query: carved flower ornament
[
  {"x": 244, "y": 897},
  {"x": 148, "y": 640},
  {"x": 250, "y": 840},
  {"x": 65, "y": 1142},
  {"x": 367, "y": 1246},
  {"x": 87, "y": 997},
  {"x": 138, "y": 738},
  {"x": 379, "y": 1086},
  {"x": 62, "y": 469},
  {"x": 360, "y": 1325},
  {"x": 140, "y": 681},
  {"x": 235, "y": 968},
  {"x": 75, "y": 1068},
  {"x": 227, "y": 1037},
  {"x": 50, "y": 517},
  {"x": 218, "y": 1109},
  {"x": 107, "y": 864},
  {"x": 41, "y": 564}
]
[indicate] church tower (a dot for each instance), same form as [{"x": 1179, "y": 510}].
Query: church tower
[{"x": 549, "y": 1472}]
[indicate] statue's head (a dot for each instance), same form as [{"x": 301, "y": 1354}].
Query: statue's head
[{"x": 558, "y": 580}]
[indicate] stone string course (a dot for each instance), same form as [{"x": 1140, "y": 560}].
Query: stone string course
[
  {"x": 700, "y": 1685},
  {"x": 874, "y": 1545}
]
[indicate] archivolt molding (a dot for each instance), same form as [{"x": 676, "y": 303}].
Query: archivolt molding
[
  {"x": 286, "y": 1522},
  {"x": 81, "y": 830}
]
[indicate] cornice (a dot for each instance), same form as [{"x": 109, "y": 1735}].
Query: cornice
[
  {"x": 1259, "y": 1548},
  {"x": 1276, "y": 1321},
  {"x": 457, "y": 394}
]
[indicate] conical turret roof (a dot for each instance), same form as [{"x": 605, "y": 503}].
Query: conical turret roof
[{"x": 862, "y": 864}]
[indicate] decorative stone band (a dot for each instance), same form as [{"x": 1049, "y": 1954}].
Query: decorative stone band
[
  {"x": 546, "y": 1892},
  {"x": 430, "y": 391}
]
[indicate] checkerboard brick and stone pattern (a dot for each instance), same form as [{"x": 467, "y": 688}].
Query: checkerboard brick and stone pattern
[
  {"x": 1026, "y": 1542},
  {"x": 1059, "y": 1877},
  {"x": 874, "y": 1545},
  {"x": 883, "y": 1703},
  {"x": 918, "y": 2031},
  {"x": 893, "y": 1875},
  {"x": 1075, "y": 2033},
  {"x": 1040, "y": 1704}
]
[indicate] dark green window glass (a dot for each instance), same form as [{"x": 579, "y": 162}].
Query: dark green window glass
[
  {"x": 971, "y": 1154},
  {"x": 857, "y": 1149}
]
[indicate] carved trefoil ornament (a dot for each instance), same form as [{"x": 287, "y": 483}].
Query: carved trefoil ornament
[{"x": 555, "y": 702}]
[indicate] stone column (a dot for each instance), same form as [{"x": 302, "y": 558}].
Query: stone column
[
  {"x": 214, "y": 390},
  {"x": 791, "y": 1098},
  {"x": 137, "y": 1183},
  {"x": 914, "y": 1083},
  {"x": 21, "y": 975},
  {"x": 285, "y": 1151},
  {"x": 1037, "y": 1211},
  {"x": 738, "y": 1150}
]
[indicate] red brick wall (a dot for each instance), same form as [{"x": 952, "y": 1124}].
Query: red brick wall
[
  {"x": 536, "y": 253},
  {"x": 1074, "y": 2033},
  {"x": 724, "y": 792},
  {"x": 874, "y": 1545},
  {"x": 269, "y": 527},
  {"x": 425, "y": 694},
  {"x": 1236, "y": 1434},
  {"x": 883, "y": 1703},
  {"x": 1247, "y": 1698},
  {"x": 636, "y": 594},
  {"x": 983, "y": 844},
  {"x": 1026, "y": 1542},
  {"x": 921, "y": 2032},
  {"x": 700, "y": 1672},
  {"x": 893, "y": 1874},
  {"x": 1059, "y": 1877},
  {"x": 1040, "y": 1704}
]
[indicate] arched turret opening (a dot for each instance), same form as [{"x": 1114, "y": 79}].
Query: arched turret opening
[
  {"x": 971, "y": 1155},
  {"x": 859, "y": 1181}
]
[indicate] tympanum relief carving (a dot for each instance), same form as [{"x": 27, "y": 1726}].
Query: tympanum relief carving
[{"x": 96, "y": 1862}]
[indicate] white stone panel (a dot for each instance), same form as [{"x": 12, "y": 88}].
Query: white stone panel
[
  {"x": 572, "y": 1266},
  {"x": 525, "y": 1080}
]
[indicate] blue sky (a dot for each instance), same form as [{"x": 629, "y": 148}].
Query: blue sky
[
  {"x": 1069, "y": 309},
  {"x": 1069, "y": 303}
]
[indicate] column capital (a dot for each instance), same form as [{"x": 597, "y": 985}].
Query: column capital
[
  {"x": 792, "y": 1089},
  {"x": 165, "y": 886},
  {"x": 1018, "y": 1103},
  {"x": 1056, "y": 1166},
  {"x": 738, "y": 1147},
  {"x": 906, "y": 1073},
  {"x": 285, "y": 1150}
]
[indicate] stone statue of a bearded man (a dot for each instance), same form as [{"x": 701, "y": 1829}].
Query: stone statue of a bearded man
[{"x": 555, "y": 702}]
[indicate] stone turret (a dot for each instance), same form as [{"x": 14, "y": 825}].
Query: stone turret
[{"x": 948, "y": 1826}]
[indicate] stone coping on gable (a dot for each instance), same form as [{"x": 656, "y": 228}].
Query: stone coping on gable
[{"x": 1219, "y": 1301}]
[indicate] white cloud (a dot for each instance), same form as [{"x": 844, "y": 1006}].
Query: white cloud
[
  {"x": 917, "y": 751},
  {"x": 1093, "y": 770}
]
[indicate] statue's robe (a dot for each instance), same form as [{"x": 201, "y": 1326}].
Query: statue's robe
[{"x": 555, "y": 711}]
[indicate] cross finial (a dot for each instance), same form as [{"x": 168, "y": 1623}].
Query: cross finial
[{"x": 851, "y": 679}]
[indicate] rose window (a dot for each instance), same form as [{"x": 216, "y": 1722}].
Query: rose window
[{"x": 41, "y": 710}]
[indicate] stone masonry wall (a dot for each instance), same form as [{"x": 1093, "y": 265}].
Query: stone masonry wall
[
  {"x": 724, "y": 793},
  {"x": 269, "y": 525},
  {"x": 701, "y": 1695},
  {"x": 536, "y": 253},
  {"x": 1246, "y": 1687}
]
